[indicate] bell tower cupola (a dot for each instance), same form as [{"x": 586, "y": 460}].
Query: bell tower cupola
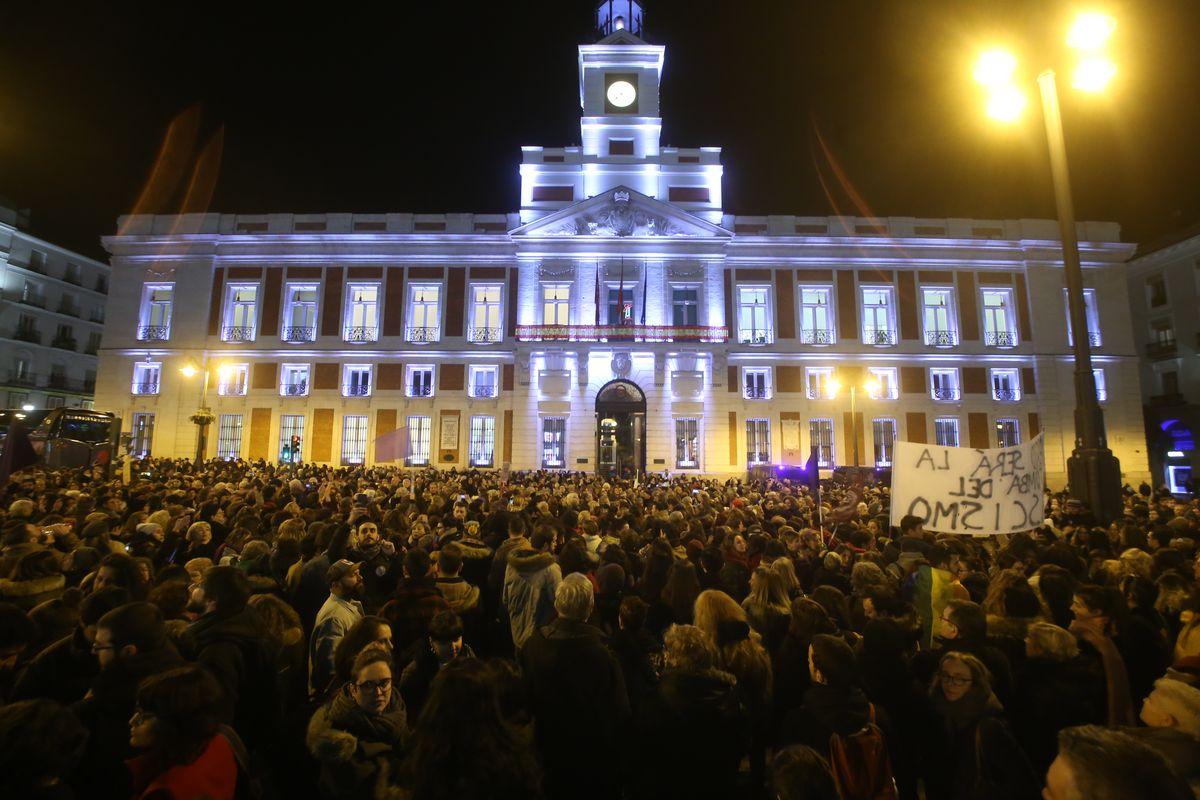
[{"x": 619, "y": 15}]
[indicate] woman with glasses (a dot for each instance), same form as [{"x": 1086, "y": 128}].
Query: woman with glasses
[
  {"x": 359, "y": 735},
  {"x": 979, "y": 757}
]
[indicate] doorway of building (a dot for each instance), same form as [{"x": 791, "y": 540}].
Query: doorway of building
[{"x": 620, "y": 430}]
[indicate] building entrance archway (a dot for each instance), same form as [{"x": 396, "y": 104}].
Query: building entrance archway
[{"x": 620, "y": 430}]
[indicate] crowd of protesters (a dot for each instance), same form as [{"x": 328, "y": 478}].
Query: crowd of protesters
[{"x": 251, "y": 630}]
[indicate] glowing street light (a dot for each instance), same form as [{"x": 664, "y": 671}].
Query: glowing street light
[
  {"x": 1006, "y": 104},
  {"x": 1091, "y": 30},
  {"x": 1093, "y": 74},
  {"x": 995, "y": 68},
  {"x": 203, "y": 416},
  {"x": 872, "y": 386}
]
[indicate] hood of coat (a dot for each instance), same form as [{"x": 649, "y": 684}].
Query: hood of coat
[
  {"x": 32, "y": 587},
  {"x": 527, "y": 560},
  {"x": 243, "y": 627},
  {"x": 474, "y": 549},
  {"x": 685, "y": 687},
  {"x": 457, "y": 590}
]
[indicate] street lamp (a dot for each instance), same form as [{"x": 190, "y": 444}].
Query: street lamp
[
  {"x": 1093, "y": 472},
  {"x": 203, "y": 416},
  {"x": 873, "y": 387}
]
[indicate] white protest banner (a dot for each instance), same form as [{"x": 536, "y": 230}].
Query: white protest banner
[{"x": 970, "y": 491}]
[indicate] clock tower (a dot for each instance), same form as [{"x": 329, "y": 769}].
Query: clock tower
[{"x": 620, "y": 130}]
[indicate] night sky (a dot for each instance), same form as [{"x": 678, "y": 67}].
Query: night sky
[{"x": 423, "y": 109}]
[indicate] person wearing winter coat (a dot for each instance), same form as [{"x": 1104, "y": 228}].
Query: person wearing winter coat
[
  {"x": 335, "y": 619},
  {"x": 577, "y": 695},
  {"x": 1057, "y": 687},
  {"x": 979, "y": 759},
  {"x": 530, "y": 582},
  {"x": 1171, "y": 714},
  {"x": 359, "y": 735},
  {"x": 462, "y": 597},
  {"x": 445, "y": 646},
  {"x": 691, "y": 733},
  {"x": 835, "y": 702},
  {"x": 415, "y": 602},
  {"x": 36, "y": 579}
]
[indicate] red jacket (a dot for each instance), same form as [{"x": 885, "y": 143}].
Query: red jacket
[{"x": 212, "y": 776}]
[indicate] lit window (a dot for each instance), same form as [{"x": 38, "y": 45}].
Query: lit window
[
  {"x": 884, "y": 436},
  {"x": 143, "y": 434},
  {"x": 154, "y": 322},
  {"x": 554, "y": 442},
  {"x": 1101, "y": 386},
  {"x": 418, "y": 382},
  {"x": 300, "y": 314},
  {"x": 482, "y": 382},
  {"x": 233, "y": 380},
  {"x": 229, "y": 436},
  {"x": 620, "y": 305},
  {"x": 889, "y": 388},
  {"x": 879, "y": 317},
  {"x": 816, "y": 381},
  {"x": 1008, "y": 433},
  {"x": 820, "y": 436},
  {"x": 999, "y": 326},
  {"x": 1178, "y": 477},
  {"x": 816, "y": 315},
  {"x": 756, "y": 383},
  {"x": 937, "y": 314},
  {"x": 481, "y": 442},
  {"x": 241, "y": 313},
  {"x": 758, "y": 441},
  {"x": 418, "y": 441},
  {"x": 1006, "y": 385},
  {"x": 362, "y": 312},
  {"x": 945, "y": 431},
  {"x": 291, "y": 438},
  {"x": 556, "y": 304},
  {"x": 354, "y": 439},
  {"x": 294, "y": 380},
  {"x": 425, "y": 316},
  {"x": 1093, "y": 319},
  {"x": 356, "y": 380},
  {"x": 685, "y": 306},
  {"x": 687, "y": 443},
  {"x": 944, "y": 384},
  {"x": 753, "y": 315},
  {"x": 146, "y": 377},
  {"x": 486, "y": 326}
]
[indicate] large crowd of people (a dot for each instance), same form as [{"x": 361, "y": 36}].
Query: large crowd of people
[{"x": 250, "y": 630}]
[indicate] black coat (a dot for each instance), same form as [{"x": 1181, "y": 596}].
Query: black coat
[
  {"x": 688, "y": 738},
  {"x": 1050, "y": 696},
  {"x": 579, "y": 703},
  {"x": 62, "y": 672},
  {"x": 640, "y": 656},
  {"x": 105, "y": 712},
  {"x": 982, "y": 762},
  {"x": 827, "y": 710},
  {"x": 243, "y": 655}
]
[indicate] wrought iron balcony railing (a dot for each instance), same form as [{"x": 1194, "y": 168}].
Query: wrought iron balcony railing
[
  {"x": 420, "y": 390},
  {"x": 359, "y": 390},
  {"x": 231, "y": 389},
  {"x": 816, "y": 336},
  {"x": 153, "y": 333},
  {"x": 423, "y": 335},
  {"x": 484, "y": 335},
  {"x": 297, "y": 389},
  {"x": 238, "y": 333},
  {"x": 32, "y": 335},
  {"x": 483, "y": 390},
  {"x": 1162, "y": 349},
  {"x": 941, "y": 338},
  {"x": 64, "y": 343},
  {"x": 817, "y": 393},
  {"x": 999, "y": 339},
  {"x": 1006, "y": 395},
  {"x": 634, "y": 333},
  {"x": 880, "y": 337},
  {"x": 145, "y": 387},
  {"x": 947, "y": 393},
  {"x": 18, "y": 379},
  {"x": 359, "y": 334},
  {"x": 755, "y": 393},
  {"x": 37, "y": 301},
  {"x": 1093, "y": 338},
  {"x": 299, "y": 333},
  {"x": 753, "y": 336}
]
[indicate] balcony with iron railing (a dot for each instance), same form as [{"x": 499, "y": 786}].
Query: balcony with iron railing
[
  {"x": 153, "y": 333},
  {"x": 237, "y": 333},
  {"x": 64, "y": 343},
  {"x": 623, "y": 333},
  {"x": 1163, "y": 348},
  {"x": 420, "y": 390},
  {"x": 817, "y": 393},
  {"x": 879, "y": 337},
  {"x": 145, "y": 387},
  {"x": 423, "y": 335},
  {"x": 484, "y": 335},
  {"x": 34, "y": 300},
  {"x": 356, "y": 390},
  {"x": 293, "y": 388},
  {"x": 15, "y": 378},
  {"x": 24, "y": 334},
  {"x": 818, "y": 336},
  {"x": 941, "y": 338},
  {"x": 947, "y": 393},
  {"x": 754, "y": 336},
  {"x": 299, "y": 333},
  {"x": 999, "y": 339},
  {"x": 358, "y": 334},
  {"x": 232, "y": 389},
  {"x": 1093, "y": 338},
  {"x": 1006, "y": 395},
  {"x": 483, "y": 391},
  {"x": 91, "y": 349},
  {"x": 756, "y": 393}
]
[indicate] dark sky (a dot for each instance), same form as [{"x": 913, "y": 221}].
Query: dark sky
[{"x": 424, "y": 108}]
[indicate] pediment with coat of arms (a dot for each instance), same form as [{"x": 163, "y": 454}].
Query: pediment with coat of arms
[{"x": 621, "y": 212}]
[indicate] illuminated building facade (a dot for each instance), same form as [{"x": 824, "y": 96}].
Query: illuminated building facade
[{"x": 620, "y": 320}]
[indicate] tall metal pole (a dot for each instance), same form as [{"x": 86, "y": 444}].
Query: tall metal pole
[
  {"x": 1093, "y": 472},
  {"x": 202, "y": 418},
  {"x": 853, "y": 425}
]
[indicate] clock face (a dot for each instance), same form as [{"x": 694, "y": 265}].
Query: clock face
[{"x": 621, "y": 94}]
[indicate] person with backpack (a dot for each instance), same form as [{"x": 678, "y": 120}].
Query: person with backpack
[
  {"x": 838, "y": 721},
  {"x": 978, "y": 758}
]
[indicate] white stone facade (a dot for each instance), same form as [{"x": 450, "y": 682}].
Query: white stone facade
[{"x": 702, "y": 297}]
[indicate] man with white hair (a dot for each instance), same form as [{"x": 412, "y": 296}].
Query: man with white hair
[
  {"x": 577, "y": 695},
  {"x": 1172, "y": 713}
]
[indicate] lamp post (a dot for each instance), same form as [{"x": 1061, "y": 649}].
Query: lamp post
[
  {"x": 872, "y": 386},
  {"x": 203, "y": 416},
  {"x": 1093, "y": 472}
]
